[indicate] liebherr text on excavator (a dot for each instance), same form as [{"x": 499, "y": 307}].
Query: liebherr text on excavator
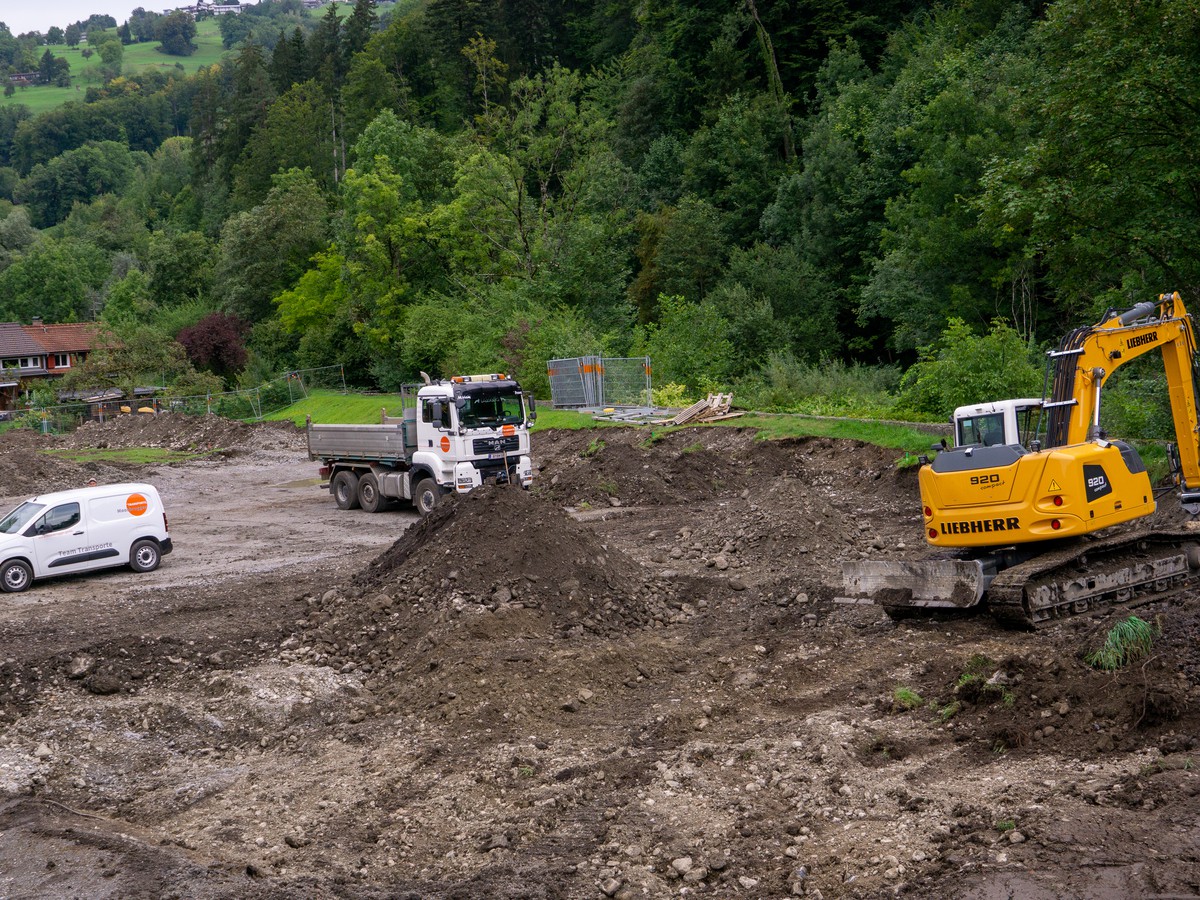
[{"x": 1021, "y": 509}]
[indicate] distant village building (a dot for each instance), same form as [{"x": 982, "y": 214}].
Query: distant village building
[{"x": 208, "y": 6}]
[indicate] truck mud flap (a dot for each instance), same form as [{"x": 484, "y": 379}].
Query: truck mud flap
[{"x": 948, "y": 583}]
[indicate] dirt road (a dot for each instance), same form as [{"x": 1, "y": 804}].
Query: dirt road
[{"x": 630, "y": 682}]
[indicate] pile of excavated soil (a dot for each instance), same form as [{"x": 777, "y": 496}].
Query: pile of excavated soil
[
  {"x": 501, "y": 548},
  {"x": 636, "y": 467},
  {"x": 177, "y": 431},
  {"x": 27, "y": 469}
]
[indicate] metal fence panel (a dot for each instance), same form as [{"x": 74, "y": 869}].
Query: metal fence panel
[
  {"x": 625, "y": 381},
  {"x": 568, "y": 386},
  {"x": 591, "y": 381}
]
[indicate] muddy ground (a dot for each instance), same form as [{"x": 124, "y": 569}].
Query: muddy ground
[{"x": 630, "y": 682}]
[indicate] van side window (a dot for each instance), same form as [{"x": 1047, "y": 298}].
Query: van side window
[{"x": 58, "y": 518}]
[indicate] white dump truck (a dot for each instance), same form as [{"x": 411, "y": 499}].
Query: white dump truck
[{"x": 453, "y": 436}]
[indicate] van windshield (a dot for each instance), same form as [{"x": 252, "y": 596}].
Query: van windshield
[{"x": 19, "y": 517}]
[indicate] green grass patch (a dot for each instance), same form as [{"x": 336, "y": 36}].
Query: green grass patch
[
  {"x": 141, "y": 456},
  {"x": 335, "y": 408},
  {"x": 912, "y": 441},
  {"x": 327, "y": 406},
  {"x": 1126, "y": 643},
  {"x": 974, "y": 685},
  {"x": 906, "y": 699},
  {"x": 135, "y": 58},
  {"x": 568, "y": 420}
]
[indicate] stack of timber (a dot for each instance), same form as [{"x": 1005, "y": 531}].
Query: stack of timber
[{"x": 712, "y": 409}]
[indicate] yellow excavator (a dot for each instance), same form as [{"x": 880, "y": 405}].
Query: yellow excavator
[{"x": 1018, "y": 500}]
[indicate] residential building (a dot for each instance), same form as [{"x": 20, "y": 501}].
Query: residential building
[{"x": 35, "y": 353}]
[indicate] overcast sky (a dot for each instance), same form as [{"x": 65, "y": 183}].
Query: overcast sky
[{"x": 39, "y": 15}]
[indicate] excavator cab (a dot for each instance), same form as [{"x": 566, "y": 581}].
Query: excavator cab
[{"x": 1002, "y": 422}]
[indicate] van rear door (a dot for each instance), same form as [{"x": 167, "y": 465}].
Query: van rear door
[{"x": 61, "y": 544}]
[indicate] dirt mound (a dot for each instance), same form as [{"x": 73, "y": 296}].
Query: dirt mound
[
  {"x": 176, "y": 431},
  {"x": 630, "y": 466},
  {"x": 501, "y": 547},
  {"x": 27, "y": 469},
  {"x": 499, "y": 538}
]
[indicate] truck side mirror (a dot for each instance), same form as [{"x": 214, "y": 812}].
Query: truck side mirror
[
  {"x": 436, "y": 412},
  {"x": 531, "y": 404}
]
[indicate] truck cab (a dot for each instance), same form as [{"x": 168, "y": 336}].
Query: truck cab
[{"x": 474, "y": 428}]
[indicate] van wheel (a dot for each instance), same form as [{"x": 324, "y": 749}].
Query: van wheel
[
  {"x": 15, "y": 576},
  {"x": 370, "y": 497},
  {"x": 426, "y": 496},
  {"x": 345, "y": 489},
  {"x": 144, "y": 556}
]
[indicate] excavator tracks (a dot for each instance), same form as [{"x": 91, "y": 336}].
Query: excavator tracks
[{"x": 1075, "y": 580}]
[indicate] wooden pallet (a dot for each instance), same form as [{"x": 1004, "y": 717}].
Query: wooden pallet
[{"x": 715, "y": 406}]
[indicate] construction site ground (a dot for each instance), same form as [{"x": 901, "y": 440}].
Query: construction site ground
[{"x": 629, "y": 682}]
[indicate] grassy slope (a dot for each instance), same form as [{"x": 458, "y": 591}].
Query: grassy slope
[
  {"x": 136, "y": 58},
  {"x": 330, "y": 406}
]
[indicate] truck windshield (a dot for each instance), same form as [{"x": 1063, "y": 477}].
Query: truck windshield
[
  {"x": 19, "y": 517},
  {"x": 490, "y": 409}
]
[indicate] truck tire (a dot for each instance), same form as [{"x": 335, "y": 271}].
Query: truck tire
[
  {"x": 426, "y": 496},
  {"x": 144, "y": 556},
  {"x": 15, "y": 576},
  {"x": 370, "y": 497},
  {"x": 345, "y": 489}
]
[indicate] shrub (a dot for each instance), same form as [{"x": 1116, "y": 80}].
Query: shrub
[
  {"x": 962, "y": 367},
  {"x": 1125, "y": 643},
  {"x": 785, "y": 384}
]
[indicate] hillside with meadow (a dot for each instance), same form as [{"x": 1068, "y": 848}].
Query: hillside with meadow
[{"x": 885, "y": 208}]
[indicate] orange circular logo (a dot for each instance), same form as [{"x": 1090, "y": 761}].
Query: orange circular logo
[
  {"x": 136, "y": 504},
  {"x": 445, "y": 444}
]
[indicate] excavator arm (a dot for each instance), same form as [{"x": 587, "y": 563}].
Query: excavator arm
[{"x": 1087, "y": 357}]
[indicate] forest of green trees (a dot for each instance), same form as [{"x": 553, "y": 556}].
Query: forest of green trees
[{"x": 772, "y": 197}]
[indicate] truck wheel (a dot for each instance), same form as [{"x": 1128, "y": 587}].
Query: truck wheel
[
  {"x": 15, "y": 576},
  {"x": 426, "y": 496},
  {"x": 345, "y": 489},
  {"x": 370, "y": 497},
  {"x": 144, "y": 556}
]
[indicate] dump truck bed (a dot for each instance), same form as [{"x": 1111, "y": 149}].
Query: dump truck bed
[{"x": 375, "y": 443}]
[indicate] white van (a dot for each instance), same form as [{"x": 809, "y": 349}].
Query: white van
[{"x": 80, "y": 530}]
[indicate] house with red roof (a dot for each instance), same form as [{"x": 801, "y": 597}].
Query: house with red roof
[{"x": 30, "y": 354}]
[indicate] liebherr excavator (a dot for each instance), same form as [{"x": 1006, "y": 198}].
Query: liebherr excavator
[{"x": 1021, "y": 515}]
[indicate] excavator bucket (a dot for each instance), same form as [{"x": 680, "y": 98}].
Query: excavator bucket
[{"x": 898, "y": 584}]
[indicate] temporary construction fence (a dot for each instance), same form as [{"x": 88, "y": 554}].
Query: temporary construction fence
[
  {"x": 599, "y": 381},
  {"x": 248, "y": 403}
]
